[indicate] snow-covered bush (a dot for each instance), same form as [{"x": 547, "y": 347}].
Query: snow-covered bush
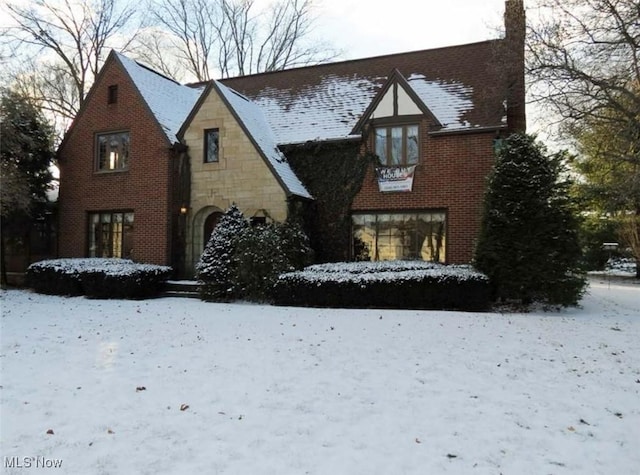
[
  {"x": 97, "y": 278},
  {"x": 262, "y": 253},
  {"x": 243, "y": 262},
  {"x": 389, "y": 284},
  {"x": 214, "y": 269}
]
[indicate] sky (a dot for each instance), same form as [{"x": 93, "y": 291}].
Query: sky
[{"x": 376, "y": 27}]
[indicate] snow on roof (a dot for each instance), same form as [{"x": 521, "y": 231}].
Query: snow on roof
[
  {"x": 169, "y": 101},
  {"x": 447, "y": 101},
  {"x": 330, "y": 109},
  {"x": 253, "y": 119},
  {"x": 325, "y": 111}
]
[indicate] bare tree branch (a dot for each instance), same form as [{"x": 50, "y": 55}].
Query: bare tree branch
[
  {"x": 74, "y": 36},
  {"x": 229, "y": 37}
]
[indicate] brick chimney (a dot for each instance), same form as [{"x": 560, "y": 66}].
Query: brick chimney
[{"x": 515, "y": 30}]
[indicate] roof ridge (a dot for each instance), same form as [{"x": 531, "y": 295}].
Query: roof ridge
[
  {"x": 356, "y": 60},
  {"x": 151, "y": 70}
]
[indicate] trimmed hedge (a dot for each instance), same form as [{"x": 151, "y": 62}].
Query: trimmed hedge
[
  {"x": 393, "y": 284},
  {"x": 97, "y": 278}
]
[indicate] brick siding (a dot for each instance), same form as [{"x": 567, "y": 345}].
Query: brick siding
[
  {"x": 451, "y": 176},
  {"x": 143, "y": 188}
]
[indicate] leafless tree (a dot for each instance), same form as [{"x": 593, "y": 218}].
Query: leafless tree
[
  {"x": 68, "y": 40},
  {"x": 584, "y": 58},
  {"x": 222, "y": 38}
]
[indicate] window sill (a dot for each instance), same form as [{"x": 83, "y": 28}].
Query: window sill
[{"x": 110, "y": 172}]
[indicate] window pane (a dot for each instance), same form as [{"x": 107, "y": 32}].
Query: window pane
[
  {"x": 116, "y": 238},
  {"x": 412, "y": 144},
  {"x": 94, "y": 232},
  {"x": 396, "y": 146},
  {"x": 127, "y": 236},
  {"x": 381, "y": 145},
  {"x": 433, "y": 246},
  {"x": 364, "y": 237},
  {"x": 211, "y": 145},
  {"x": 124, "y": 150}
]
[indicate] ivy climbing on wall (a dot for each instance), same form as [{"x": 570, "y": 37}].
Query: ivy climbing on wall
[{"x": 333, "y": 173}]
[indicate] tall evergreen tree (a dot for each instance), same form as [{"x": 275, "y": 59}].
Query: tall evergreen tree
[
  {"x": 214, "y": 269},
  {"x": 528, "y": 244},
  {"x": 26, "y": 153}
]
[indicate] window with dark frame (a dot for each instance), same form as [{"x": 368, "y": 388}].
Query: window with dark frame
[
  {"x": 112, "y": 151},
  {"x": 112, "y": 96},
  {"x": 111, "y": 234},
  {"x": 397, "y": 145},
  {"x": 399, "y": 235},
  {"x": 211, "y": 145}
]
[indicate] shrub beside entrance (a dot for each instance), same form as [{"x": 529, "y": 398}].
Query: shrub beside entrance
[{"x": 392, "y": 284}]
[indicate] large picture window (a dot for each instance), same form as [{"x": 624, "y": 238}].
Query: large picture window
[
  {"x": 111, "y": 234},
  {"x": 395, "y": 236},
  {"x": 211, "y": 145},
  {"x": 113, "y": 151},
  {"x": 397, "y": 145}
]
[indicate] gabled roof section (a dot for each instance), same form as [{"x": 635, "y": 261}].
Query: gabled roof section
[
  {"x": 389, "y": 92},
  {"x": 463, "y": 86},
  {"x": 169, "y": 102},
  {"x": 255, "y": 125}
]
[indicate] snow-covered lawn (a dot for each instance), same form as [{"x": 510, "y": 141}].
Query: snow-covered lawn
[{"x": 182, "y": 386}]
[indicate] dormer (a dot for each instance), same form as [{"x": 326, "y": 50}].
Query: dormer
[{"x": 394, "y": 117}]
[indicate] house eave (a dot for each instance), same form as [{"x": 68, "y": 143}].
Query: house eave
[
  {"x": 346, "y": 138},
  {"x": 468, "y": 130}
]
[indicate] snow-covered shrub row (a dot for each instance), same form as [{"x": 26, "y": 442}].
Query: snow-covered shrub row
[
  {"x": 621, "y": 264},
  {"x": 386, "y": 269},
  {"x": 97, "y": 278},
  {"x": 392, "y": 284}
]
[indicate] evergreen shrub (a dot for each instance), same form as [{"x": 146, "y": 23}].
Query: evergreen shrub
[
  {"x": 262, "y": 253},
  {"x": 214, "y": 270},
  {"x": 528, "y": 243},
  {"x": 392, "y": 284}
]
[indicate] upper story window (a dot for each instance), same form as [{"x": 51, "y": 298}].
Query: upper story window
[
  {"x": 113, "y": 151},
  {"x": 397, "y": 145},
  {"x": 211, "y": 145},
  {"x": 112, "y": 95}
]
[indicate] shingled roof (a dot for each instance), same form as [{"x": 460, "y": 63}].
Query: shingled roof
[
  {"x": 462, "y": 85},
  {"x": 170, "y": 102}
]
